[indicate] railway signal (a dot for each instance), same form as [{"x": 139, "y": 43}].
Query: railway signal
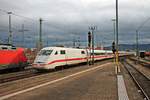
[
  {"x": 113, "y": 47},
  {"x": 89, "y": 39},
  {"x": 89, "y": 45},
  {"x": 92, "y": 28}
]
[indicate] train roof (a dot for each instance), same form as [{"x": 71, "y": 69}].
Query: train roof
[
  {"x": 60, "y": 48},
  {"x": 106, "y": 51},
  {"x": 65, "y": 48},
  {"x": 2, "y": 44}
]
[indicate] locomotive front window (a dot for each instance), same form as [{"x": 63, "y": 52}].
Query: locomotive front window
[
  {"x": 56, "y": 53},
  {"x": 62, "y": 52},
  {"x": 45, "y": 52},
  {"x": 4, "y": 48},
  {"x": 13, "y": 48},
  {"x": 82, "y": 52}
]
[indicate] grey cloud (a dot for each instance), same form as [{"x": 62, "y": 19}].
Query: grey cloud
[{"x": 61, "y": 18}]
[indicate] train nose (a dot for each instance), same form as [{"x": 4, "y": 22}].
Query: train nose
[
  {"x": 39, "y": 62},
  {"x": 41, "y": 59}
]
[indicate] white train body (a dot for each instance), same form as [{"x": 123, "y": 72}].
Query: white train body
[{"x": 51, "y": 57}]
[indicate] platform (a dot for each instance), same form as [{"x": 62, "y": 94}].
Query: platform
[{"x": 91, "y": 83}]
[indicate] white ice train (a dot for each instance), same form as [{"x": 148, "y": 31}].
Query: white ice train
[{"x": 52, "y": 57}]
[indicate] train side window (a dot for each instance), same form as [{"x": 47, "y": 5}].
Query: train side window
[
  {"x": 45, "y": 52},
  {"x": 62, "y": 52},
  {"x": 13, "y": 48},
  {"x": 56, "y": 53},
  {"x": 4, "y": 48},
  {"x": 82, "y": 52}
]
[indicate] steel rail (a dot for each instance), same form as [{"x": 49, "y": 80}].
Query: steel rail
[
  {"x": 143, "y": 63},
  {"x": 146, "y": 95},
  {"x": 16, "y": 76}
]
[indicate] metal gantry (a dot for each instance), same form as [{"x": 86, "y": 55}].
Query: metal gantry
[{"x": 23, "y": 37}]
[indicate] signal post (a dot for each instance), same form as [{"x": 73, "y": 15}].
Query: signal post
[{"x": 89, "y": 46}]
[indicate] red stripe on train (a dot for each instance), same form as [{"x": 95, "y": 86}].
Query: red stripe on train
[
  {"x": 63, "y": 60},
  {"x": 73, "y": 59}
]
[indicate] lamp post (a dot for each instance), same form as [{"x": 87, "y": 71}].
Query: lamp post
[
  {"x": 117, "y": 48},
  {"x": 10, "y": 31},
  {"x": 114, "y": 23},
  {"x": 114, "y": 42},
  {"x": 117, "y": 24},
  {"x": 40, "y": 34},
  {"x": 137, "y": 44}
]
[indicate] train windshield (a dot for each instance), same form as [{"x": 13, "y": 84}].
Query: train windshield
[{"x": 45, "y": 52}]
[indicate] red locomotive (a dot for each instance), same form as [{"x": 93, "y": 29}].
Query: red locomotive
[
  {"x": 147, "y": 53},
  {"x": 12, "y": 57}
]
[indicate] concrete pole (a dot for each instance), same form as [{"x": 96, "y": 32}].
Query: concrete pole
[
  {"x": 10, "y": 31},
  {"x": 137, "y": 44},
  {"x": 40, "y": 34},
  {"x": 114, "y": 24},
  {"x": 23, "y": 35},
  {"x": 117, "y": 48},
  {"x": 117, "y": 25}
]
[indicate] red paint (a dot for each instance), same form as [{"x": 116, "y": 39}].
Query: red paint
[
  {"x": 72, "y": 59},
  {"x": 63, "y": 60},
  {"x": 12, "y": 56}
]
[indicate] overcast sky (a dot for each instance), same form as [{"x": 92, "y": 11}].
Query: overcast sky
[{"x": 65, "y": 20}]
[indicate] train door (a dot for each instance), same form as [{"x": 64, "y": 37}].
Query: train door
[
  {"x": 87, "y": 56},
  {"x": 63, "y": 56}
]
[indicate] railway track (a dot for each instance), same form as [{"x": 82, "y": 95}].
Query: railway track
[
  {"x": 140, "y": 79},
  {"x": 18, "y": 75},
  {"x": 32, "y": 72},
  {"x": 147, "y": 59},
  {"x": 141, "y": 62}
]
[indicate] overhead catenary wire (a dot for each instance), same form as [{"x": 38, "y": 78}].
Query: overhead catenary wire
[
  {"x": 12, "y": 13},
  {"x": 142, "y": 24},
  {"x": 24, "y": 18},
  {"x": 137, "y": 36},
  {"x": 27, "y": 18},
  {"x": 3, "y": 10},
  {"x": 56, "y": 28}
]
